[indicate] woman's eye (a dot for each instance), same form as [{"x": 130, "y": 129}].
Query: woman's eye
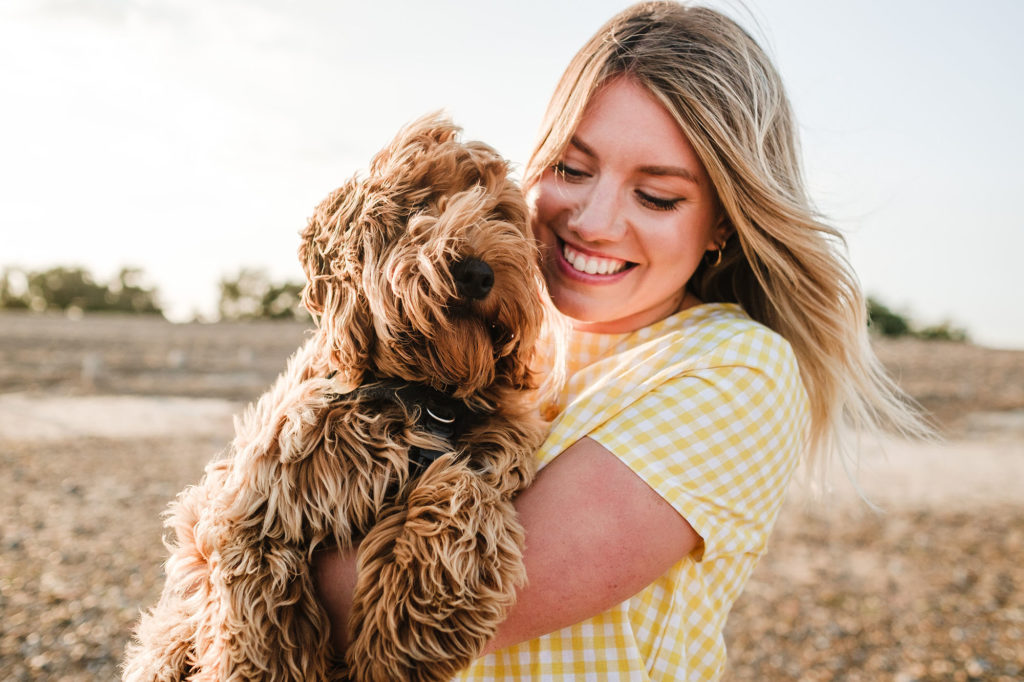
[
  {"x": 568, "y": 172},
  {"x": 656, "y": 203}
]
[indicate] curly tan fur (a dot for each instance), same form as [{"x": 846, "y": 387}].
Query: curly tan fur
[{"x": 315, "y": 465}]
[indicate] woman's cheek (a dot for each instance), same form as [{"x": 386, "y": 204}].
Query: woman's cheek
[{"x": 545, "y": 207}]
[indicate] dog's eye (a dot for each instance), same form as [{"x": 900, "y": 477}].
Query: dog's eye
[{"x": 501, "y": 337}]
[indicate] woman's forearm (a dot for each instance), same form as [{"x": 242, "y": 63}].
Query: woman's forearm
[{"x": 596, "y": 534}]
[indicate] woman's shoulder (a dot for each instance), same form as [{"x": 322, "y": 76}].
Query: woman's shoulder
[
  {"x": 708, "y": 342},
  {"x": 701, "y": 358},
  {"x": 713, "y": 334}
]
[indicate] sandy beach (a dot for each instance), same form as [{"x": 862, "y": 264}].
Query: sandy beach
[{"x": 104, "y": 419}]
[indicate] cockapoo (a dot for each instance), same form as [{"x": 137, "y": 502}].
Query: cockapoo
[{"x": 404, "y": 427}]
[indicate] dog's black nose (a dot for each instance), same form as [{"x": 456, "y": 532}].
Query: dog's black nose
[{"x": 473, "y": 278}]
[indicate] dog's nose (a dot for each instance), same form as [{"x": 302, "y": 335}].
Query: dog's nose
[{"x": 473, "y": 278}]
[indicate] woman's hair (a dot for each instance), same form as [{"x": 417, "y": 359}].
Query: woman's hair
[{"x": 781, "y": 263}]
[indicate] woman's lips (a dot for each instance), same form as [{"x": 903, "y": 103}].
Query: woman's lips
[{"x": 590, "y": 267}]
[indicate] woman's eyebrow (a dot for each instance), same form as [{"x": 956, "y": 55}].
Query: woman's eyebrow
[
  {"x": 675, "y": 171},
  {"x": 578, "y": 143}
]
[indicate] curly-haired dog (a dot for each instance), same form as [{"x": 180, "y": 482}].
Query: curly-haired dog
[{"x": 406, "y": 421}]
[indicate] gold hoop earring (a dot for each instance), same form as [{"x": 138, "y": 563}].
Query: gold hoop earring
[{"x": 718, "y": 260}]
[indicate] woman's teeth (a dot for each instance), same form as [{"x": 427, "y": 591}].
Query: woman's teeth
[{"x": 590, "y": 264}]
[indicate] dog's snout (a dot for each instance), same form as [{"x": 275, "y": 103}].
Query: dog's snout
[{"x": 473, "y": 278}]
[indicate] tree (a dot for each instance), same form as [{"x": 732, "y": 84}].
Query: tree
[
  {"x": 64, "y": 288},
  {"x": 885, "y": 321},
  {"x": 942, "y": 332},
  {"x": 252, "y": 295},
  {"x": 12, "y": 290}
]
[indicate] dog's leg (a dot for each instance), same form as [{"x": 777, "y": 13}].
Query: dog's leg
[
  {"x": 161, "y": 648},
  {"x": 260, "y": 618},
  {"x": 435, "y": 579},
  {"x": 503, "y": 453}
]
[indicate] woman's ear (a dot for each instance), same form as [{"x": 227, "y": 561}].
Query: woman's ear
[{"x": 721, "y": 232}]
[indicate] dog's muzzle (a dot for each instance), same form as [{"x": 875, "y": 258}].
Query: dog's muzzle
[{"x": 473, "y": 278}]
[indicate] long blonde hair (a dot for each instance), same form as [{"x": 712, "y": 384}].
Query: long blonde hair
[{"x": 783, "y": 264}]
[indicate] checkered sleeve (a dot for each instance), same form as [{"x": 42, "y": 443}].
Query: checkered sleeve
[{"x": 719, "y": 441}]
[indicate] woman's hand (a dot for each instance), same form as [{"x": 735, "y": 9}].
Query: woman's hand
[
  {"x": 334, "y": 576},
  {"x": 596, "y": 534}
]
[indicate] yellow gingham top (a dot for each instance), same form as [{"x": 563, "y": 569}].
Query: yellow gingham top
[{"x": 707, "y": 406}]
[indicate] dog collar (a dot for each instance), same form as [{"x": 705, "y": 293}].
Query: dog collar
[{"x": 440, "y": 414}]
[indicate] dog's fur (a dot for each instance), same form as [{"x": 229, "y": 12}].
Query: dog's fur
[{"x": 316, "y": 465}]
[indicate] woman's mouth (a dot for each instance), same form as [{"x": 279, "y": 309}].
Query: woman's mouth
[{"x": 588, "y": 264}]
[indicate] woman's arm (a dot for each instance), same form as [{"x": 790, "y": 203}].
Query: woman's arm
[{"x": 596, "y": 534}]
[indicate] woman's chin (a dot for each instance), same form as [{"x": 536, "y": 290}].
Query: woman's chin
[{"x": 588, "y": 315}]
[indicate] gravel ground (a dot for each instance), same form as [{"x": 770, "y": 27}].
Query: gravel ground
[
  {"x": 910, "y": 595},
  {"x": 928, "y": 590},
  {"x": 80, "y": 550}
]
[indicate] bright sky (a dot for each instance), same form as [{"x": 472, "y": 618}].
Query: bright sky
[{"x": 194, "y": 137}]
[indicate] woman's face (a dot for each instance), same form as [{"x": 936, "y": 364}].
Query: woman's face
[{"x": 625, "y": 215}]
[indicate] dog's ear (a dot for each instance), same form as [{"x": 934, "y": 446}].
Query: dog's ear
[
  {"x": 330, "y": 253},
  {"x": 421, "y": 160},
  {"x": 412, "y": 142},
  {"x": 321, "y": 245}
]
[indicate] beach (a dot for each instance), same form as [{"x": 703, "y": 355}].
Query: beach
[{"x": 104, "y": 419}]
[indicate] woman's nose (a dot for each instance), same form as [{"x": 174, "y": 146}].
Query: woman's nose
[{"x": 598, "y": 216}]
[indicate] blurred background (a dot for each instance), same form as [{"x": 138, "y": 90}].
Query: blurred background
[
  {"x": 158, "y": 157},
  {"x": 192, "y": 139}
]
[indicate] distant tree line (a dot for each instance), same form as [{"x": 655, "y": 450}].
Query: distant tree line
[
  {"x": 251, "y": 294},
  {"x": 884, "y": 321},
  {"x": 68, "y": 288}
]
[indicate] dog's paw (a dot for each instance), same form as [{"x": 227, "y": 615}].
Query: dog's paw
[{"x": 435, "y": 579}]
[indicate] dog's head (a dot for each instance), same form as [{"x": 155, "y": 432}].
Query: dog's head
[{"x": 425, "y": 268}]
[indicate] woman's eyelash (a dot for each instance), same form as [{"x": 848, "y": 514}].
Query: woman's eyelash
[
  {"x": 656, "y": 203},
  {"x": 568, "y": 171}
]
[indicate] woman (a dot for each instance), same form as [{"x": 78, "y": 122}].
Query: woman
[{"x": 719, "y": 337}]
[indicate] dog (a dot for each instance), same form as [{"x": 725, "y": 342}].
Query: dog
[{"x": 403, "y": 429}]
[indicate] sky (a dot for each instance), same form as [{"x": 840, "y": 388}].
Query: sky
[{"x": 192, "y": 138}]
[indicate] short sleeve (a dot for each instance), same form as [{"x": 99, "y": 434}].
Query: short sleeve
[{"x": 719, "y": 442}]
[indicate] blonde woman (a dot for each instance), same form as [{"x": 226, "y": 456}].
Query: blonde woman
[{"x": 719, "y": 339}]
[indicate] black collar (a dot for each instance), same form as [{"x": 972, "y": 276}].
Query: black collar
[{"x": 440, "y": 414}]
